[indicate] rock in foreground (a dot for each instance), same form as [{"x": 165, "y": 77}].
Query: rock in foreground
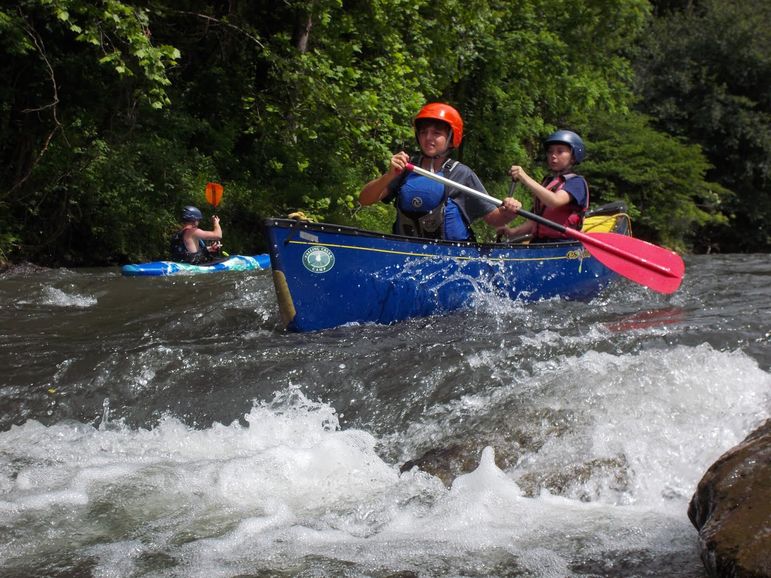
[{"x": 732, "y": 510}]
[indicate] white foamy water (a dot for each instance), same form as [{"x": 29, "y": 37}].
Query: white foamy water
[
  {"x": 60, "y": 298},
  {"x": 286, "y": 489}
]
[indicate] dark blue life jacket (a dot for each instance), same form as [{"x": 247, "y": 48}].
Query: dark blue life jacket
[{"x": 180, "y": 254}]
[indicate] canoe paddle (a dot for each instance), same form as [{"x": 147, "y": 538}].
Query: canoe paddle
[{"x": 645, "y": 263}]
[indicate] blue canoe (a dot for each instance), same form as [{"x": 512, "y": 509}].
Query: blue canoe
[
  {"x": 232, "y": 263},
  {"x": 328, "y": 275}
]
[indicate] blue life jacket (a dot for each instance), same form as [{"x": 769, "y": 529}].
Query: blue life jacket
[{"x": 424, "y": 209}]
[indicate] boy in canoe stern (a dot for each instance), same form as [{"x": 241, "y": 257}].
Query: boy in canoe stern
[
  {"x": 562, "y": 196},
  {"x": 424, "y": 207},
  {"x": 188, "y": 244}
]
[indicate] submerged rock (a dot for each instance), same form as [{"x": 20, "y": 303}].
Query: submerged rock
[
  {"x": 732, "y": 510},
  {"x": 584, "y": 480},
  {"x": 509, "y": 440},
  {"x": 447, "y": 463}
]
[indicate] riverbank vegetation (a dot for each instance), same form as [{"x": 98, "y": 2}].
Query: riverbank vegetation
[{"x": 115, "y": 114}]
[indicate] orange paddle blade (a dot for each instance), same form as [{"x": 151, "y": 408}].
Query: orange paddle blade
[{"x": 213, "y": 193}]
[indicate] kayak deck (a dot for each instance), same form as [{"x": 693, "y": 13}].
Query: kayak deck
[{"x": 163, "y": 268}]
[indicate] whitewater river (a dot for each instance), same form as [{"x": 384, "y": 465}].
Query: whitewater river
[{"x": 168, "y": 427}]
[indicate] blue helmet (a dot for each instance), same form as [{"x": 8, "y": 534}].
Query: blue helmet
[
  {"x": 569, "y": 138},
  {"x": 191, "y": 214}
]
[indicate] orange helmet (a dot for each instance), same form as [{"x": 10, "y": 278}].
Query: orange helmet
[{"x": 445, "y": 113}]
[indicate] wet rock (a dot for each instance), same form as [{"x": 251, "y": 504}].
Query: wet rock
[
  {"x": 510, "y": 442},
  {"x": 447, "y": 463},
  {"x": 585, "y": 481},
  {"x": 580, "y": 480},
  {"x": 732, "y": 510}
]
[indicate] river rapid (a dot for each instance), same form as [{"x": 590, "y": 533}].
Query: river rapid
[{"x": 168, "y": 427}]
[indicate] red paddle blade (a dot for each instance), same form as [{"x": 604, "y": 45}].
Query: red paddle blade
[
  {"x": 655, "y": 267},
  {"x": 213, "y": 193}
]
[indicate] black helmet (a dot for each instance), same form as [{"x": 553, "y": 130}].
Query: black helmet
[
  {"x": 569, "y": 138},
  {"x": 190, "y": 214}
]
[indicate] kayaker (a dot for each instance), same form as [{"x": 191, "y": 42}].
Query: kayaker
[
  {"x": 562, "y": 196},
  {"x": 188, "y": 244},
  {"x": 425, "y": 208}
]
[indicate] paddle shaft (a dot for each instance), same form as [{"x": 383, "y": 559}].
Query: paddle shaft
[{"x": 578, "y": 235}]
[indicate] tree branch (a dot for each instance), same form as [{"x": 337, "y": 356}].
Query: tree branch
[
  {"x": 38, "y": 42},
  {"x": 222, "y": 22}
]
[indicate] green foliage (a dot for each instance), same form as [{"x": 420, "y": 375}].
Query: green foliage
[
  {"x": 541, "y": 64},
  {"x": 378, "y": 217},
  {"x": 120, "y": 32},
  {"x": 112, "y": 202},
  {"x": 662, "y": 180},
  {"x": 703, "y": 75},
  {"x": 115, "y": 114}
]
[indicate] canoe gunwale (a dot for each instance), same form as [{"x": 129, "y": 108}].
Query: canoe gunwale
[{"x": 366, "y": 233}]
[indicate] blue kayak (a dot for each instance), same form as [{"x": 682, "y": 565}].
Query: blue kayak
[{"x": 232, "y": 263}]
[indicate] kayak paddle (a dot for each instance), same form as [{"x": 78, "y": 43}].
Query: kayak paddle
[
  {"x": 645, "y": 263},
  {"x": 213, "y": 194}
]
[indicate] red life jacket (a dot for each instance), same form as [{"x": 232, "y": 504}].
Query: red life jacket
[{"x": 569, "y": 215}]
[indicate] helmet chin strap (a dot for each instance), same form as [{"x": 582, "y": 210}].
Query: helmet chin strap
[
  {"x": 444, "y": 154},
  {"x": 435, "y": 158}
]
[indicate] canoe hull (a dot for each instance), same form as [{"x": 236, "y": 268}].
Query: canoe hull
[
  {"x": 163, "y": 268},
  {"x": 329, "y": 275}
]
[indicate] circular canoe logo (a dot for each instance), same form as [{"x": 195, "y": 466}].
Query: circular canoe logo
[{"x": 318, "y": 259}]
